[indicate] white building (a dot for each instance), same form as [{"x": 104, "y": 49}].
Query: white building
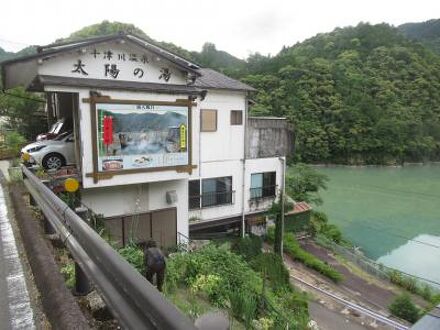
[{"x": 179, "y": 150}]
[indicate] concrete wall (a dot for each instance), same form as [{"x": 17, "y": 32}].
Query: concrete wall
[{"x": 269, "y": 137}]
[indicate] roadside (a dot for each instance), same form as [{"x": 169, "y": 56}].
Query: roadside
[
  {"x": 357, "y": 287},
  {"x": 20, "y": 306}
]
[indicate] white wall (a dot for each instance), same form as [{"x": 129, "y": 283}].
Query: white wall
[
  {"x": 260, "y": 165},
  {"x": 63, "y": 64},
  {"x": 139, "y": 198}
]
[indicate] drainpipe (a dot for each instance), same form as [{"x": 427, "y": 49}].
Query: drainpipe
[
  {"x": 243, "y": 185},
  {"x": 283, "y": 197}
]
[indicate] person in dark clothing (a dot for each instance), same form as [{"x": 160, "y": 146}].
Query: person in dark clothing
[{"x": 154, "y": 262}]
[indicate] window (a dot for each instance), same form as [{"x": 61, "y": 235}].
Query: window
[
  {"x": 215, "y": 191},
  {"x": 208, "y": 120},
  {"x": 236, "y": 117},
  {"x": 263, "y": 185},
  {"x": 194, "y": 194}
]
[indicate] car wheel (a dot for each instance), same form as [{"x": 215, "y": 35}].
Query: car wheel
[{"x": 53, "y": 161}]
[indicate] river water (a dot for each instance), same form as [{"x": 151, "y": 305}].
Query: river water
[{"x": 392, "y": 213}]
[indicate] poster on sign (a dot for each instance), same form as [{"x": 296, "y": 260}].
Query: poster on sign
[{"x": 136, "y": 136}]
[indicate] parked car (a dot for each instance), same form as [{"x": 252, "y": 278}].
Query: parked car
[
  {"x": 51, "y": 154},
  {"x": 61, "y": 126}
]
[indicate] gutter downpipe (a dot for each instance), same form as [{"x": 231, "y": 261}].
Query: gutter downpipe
[
  {"x": 283, "y": 192},
  {"x": 245, "y": 122}
]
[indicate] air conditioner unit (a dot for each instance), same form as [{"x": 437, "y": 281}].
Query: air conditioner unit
[{"x": 171, "y": 197}]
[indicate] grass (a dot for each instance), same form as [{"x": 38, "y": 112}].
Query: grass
[{"x": 294, "y": 250}]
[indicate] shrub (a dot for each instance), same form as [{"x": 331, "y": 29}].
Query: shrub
[
  {"x": 68, "y": 271},
  {"x": 233, "y": 272},
  {"x": 244, "y": 306},
  {"x": 134, "y": 255},
  {"x": 248, "y": 247},
  {"x": 404, "y": 308},
  {"x": 272, "y": 266},
  {"x": 293, "y": 249},
  {"x": 14, "y": 142}
]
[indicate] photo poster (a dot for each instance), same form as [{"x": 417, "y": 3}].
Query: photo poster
[{"x": 137, "y": 136}]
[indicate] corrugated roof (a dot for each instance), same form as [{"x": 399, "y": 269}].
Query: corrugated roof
[
  {"x": 299, "y": 207},
  {"x": 212, "y": 79}
]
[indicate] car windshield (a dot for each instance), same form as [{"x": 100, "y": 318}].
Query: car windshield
[{"x": 62, "y": 136}]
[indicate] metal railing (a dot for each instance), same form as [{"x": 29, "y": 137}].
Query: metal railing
[
  {"x": 263, "y": 192},
  {"x": 129, "y": 296}
]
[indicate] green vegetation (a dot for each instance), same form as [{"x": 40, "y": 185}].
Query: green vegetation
[
  {"x": 13, "y": 142},
  {"x": 303, "y": 183},
  {"x": 68, "y": 272},
  {"x": 319, "y": 226},
  {"x": 227, "y": 281},
  {"x": 23, "y": 115},
  {"x": 427, "y": 33},
  {"x": 134, "y": 255},
  {"x": 412, "y": 285},
  {"x": 248, "y": 247},
  {"x": 357, "y": 95},
  {"x": 404, "y": 308},
  {"x": 294, "y": 250}
]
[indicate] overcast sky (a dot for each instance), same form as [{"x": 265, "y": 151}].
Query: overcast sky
[{"x": 240, "y": 27}]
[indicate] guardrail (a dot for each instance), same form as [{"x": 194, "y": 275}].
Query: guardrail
[{"x": 130, "y": 297}]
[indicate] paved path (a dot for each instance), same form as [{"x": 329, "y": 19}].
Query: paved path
[{"x": 15, "y": 306}]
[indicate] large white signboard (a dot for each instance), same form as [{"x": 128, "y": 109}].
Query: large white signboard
[{"x": 137, "y": 136}]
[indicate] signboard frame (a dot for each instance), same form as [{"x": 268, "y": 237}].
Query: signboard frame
[{"x": 101, "y": 175}]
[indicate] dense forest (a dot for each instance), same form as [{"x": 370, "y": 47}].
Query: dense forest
[
  {"x": 363, "y": 94},
  {"x": 427, "y": 33}
]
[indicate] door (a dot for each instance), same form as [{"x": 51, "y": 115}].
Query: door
[{"x": 164, "y": 227}]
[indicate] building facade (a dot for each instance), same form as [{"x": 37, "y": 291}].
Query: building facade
[{"x": 161, "y": 143}]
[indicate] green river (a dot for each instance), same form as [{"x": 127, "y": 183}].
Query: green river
[{"x": 392, "y": 213}]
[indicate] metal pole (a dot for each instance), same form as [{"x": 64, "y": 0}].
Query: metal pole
[
  {"x": 283, "y": 192},
  {"x": 48, "y": 228},
  {"x": 82, "y": 284}
]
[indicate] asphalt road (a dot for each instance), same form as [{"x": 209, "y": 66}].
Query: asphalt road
[
  {"x": 15, "y": 306},
  {"x": 331, "y": 320}
]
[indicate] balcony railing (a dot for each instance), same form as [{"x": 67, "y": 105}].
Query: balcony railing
[
  {"x": 211, "y": 199},
  {"x": 263, "y": 192}
]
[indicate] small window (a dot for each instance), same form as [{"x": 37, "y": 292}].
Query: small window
[
  {"x": 208, "y": 120},
  {"x": 263, "y": 185},
  {"x": 194, "y": 194},
  {"x": 236, "y": 117}
]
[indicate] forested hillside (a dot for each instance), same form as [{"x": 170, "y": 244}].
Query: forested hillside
[
  {"x": 428, "y": 33},
  {"x": 362, "y": 94}
]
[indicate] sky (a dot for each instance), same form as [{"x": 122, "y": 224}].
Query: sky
[{"x": 240, "y": 27}]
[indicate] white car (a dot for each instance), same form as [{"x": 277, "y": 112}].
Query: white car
[{"x": 52, "y": 154}]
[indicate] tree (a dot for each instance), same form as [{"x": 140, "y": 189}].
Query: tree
[
  {"x": 24, "y": 112},
  {"x": 275, "y": 212},
  {"x": 404, "y": 308},
  {"x": 303, "y": 183}
]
